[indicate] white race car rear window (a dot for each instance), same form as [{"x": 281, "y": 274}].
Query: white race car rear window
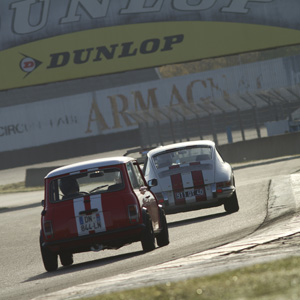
[{"x": 180, "y": 156}]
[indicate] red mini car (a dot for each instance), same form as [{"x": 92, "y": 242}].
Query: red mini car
[{"x": 96, "y": 205}]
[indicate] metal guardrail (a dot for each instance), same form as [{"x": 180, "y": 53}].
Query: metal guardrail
[{"x": 237, "y": 112}]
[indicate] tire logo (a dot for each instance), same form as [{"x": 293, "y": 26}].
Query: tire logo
[{"x": 29, "y": 64}]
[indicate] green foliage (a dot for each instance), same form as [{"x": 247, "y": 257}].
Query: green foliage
[
  {"x": 267, "y": 281},
  {"x": 226, "y": 61},
  {"x": 18, "y": 187}
]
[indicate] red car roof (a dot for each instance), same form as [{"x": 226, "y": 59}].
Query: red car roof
[{"x": 90, "y": 164}]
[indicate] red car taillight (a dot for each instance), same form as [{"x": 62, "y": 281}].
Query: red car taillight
[
  {"x": 48, "y": 230},
  {"x": 160, "y": 198},
  {"x": 133, "y": 213},
  {"x": 221, "y": 185}
]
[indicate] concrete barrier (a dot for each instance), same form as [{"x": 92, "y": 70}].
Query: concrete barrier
[
  {"x": 263, "y": 148},
  {"x": 69, "y": 149},
  {"x": 256, "y": 149},
  {"x": 35, "y": 176}
]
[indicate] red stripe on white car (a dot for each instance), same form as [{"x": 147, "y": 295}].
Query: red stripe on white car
[
  {"x": 198, "y": 182},
  {"x": 177, "y": 187},
  {"x": 187, "y": 187}
]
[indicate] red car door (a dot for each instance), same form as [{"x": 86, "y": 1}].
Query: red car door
[{"x": 145, "y": 197}]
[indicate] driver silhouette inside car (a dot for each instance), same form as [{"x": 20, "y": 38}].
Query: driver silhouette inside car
[
  {"x": 69, "y": 187},
  {"x": 163, "y": 161}
]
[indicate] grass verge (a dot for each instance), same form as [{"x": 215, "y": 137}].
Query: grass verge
[
  {"x": 268, "y": 281},
  {"x": 18, "y": 187}
]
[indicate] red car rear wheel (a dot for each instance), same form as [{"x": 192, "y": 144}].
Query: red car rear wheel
[
  {"x": 148, "y": 239},
  {"x": 49, "y": 258}
]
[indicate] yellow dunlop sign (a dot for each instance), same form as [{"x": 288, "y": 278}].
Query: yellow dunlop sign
[{"x": 128, "y": 47}]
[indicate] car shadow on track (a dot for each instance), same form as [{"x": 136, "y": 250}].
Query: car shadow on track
[
  {"x": 173, "y": 224},
  {"x": 77, "y": 267},
  {"x": 21, "y": 207}
]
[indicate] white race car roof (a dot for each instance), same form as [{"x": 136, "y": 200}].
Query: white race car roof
[
  {"x": 89, "y": 164},
  {"x": 180, "y": 145}
]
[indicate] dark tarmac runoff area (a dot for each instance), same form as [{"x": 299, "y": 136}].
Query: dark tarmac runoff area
[
  {"x": 277, "y": 237},
  {"x": 266, "y": 228}
]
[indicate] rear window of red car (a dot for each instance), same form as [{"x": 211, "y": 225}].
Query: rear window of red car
[{"x": 79, "y": 185}]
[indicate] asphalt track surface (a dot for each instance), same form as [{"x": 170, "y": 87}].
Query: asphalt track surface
[{"x": 269, "y": 199}]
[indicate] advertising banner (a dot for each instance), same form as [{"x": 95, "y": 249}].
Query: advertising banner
[
  {"x": 106, "y": 111},
  {"x": 128, "y": 47},
  {"x": 44, "y": 41},
  {"x": 25, "y": 21}
]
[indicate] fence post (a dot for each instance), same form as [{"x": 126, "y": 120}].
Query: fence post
[
  {"x": 171, "y": 124},
  {"x": 146, "y": 124},
  {"x": 241, "y": 125},
  {"x": 212, "y": 121},
  {"x": 229, "y": 135},
  {"x": 184, "y": 123},
  {"x": 156, "y": 120},
  {"x": 193, "y": 109},
  {"x": 256, "y": 122}
]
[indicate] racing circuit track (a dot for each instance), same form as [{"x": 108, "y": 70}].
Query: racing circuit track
[{"x": 24, "y": 277}]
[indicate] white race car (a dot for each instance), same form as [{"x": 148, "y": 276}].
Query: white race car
[{"x": 190, "y": 176}]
